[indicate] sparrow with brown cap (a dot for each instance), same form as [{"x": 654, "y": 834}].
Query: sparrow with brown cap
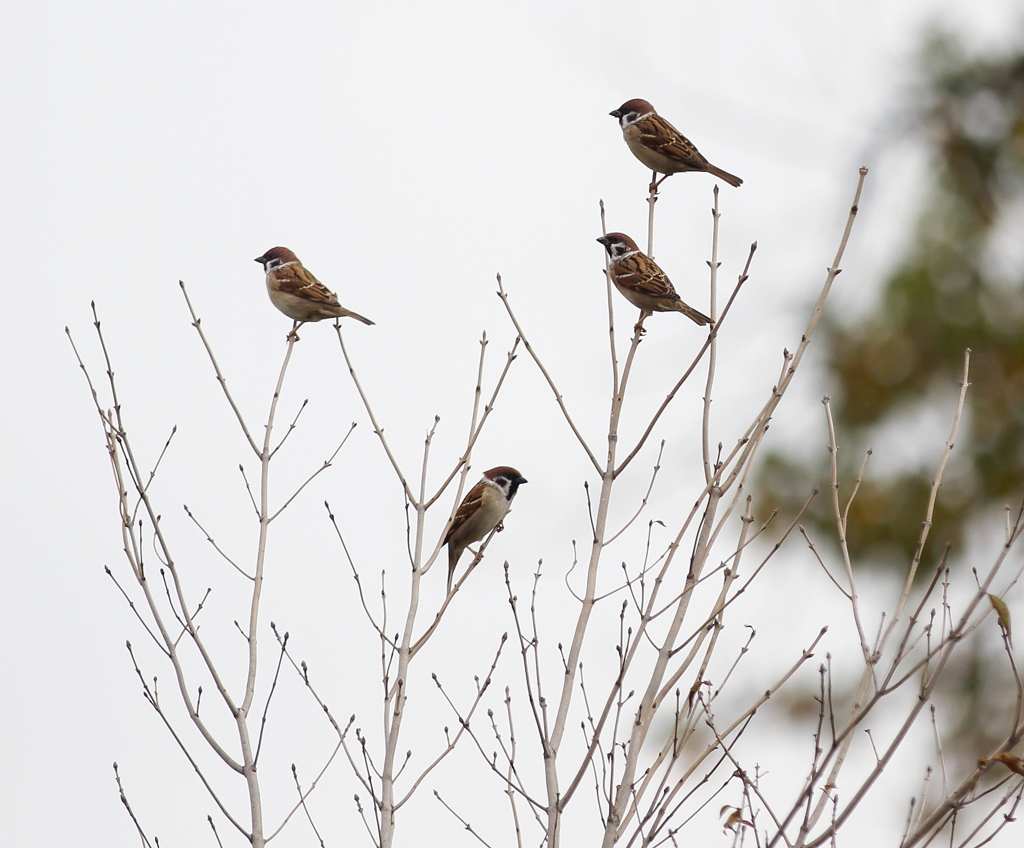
[
  {"x": 642, "y": 282},
  {"x": 660, "y": 146},
  {"x": 297, "y": 293},
  {"x": 481, "y": 511}
]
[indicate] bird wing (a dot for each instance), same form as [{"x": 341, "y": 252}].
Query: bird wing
[
  {"x": 299, "y": 282},
  {"x": 660, "y": 136},
  {"x": 641, "y": 274},
  {"x": 467, "y": 509}
]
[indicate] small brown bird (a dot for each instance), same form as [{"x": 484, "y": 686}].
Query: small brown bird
[
  {"x": 481, "y": 511},
  {"x": 297, "y": 293},
  {"x": 660, "y": 146},
  {"x": 642, "y": 282}
]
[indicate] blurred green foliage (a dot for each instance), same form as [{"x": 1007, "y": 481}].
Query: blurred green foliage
[
  {"x": 959, "y": 284},
  {"x": 895, "y": 372}
]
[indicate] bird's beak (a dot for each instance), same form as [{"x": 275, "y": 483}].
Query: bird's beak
[
  {"x": 258, "y": 259},
  {"x": 601, "y": 240},
  {"x": 616, "y": 114}
]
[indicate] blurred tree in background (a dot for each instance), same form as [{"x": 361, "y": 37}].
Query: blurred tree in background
[
  {"x": 959, "y": 284},
  {"x": 952, "y": 290}
]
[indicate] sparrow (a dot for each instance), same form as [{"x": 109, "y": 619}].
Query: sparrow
[
  {"x": 481, "y": 511},
  {"x": 642, "y": 282},
  {"x": 297, "y": 293},
  {"x": 660, "y": 146}
]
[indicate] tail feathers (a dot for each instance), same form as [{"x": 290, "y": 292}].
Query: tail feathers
[
  {"x": 454, "y": 552},
  {"x": 347, "y": 313},
  {"x": 698, "y": 318},
  {"x": 732, "y": 179}
]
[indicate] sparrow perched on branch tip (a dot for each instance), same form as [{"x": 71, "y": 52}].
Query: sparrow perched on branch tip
[
  {"x": 297, "y": 293},
  {"x": 660, "y": 146},
  {"x": 639, "y": 279},
  {"x": 481, "y": 511}
]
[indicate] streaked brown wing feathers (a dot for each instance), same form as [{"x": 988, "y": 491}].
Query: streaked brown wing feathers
[
  {"x": 466, "y": 509},
  {"x": 301, "y": 283},
  {"x": 642, "y": 275},
  {"x": 681, "y": 150},
  {"x": 665, "y": 139}
]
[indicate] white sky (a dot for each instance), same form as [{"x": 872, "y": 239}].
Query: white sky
[{"x": 407, "y": 153}]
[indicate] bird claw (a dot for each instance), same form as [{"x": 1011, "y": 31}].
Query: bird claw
[
  {"x": 639, "y": 329},
  {"x": 499, "y": 527},
  {"x": 655, "y": 182}
]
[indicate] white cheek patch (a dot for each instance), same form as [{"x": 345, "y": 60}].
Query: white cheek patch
[
  {"x": 631, "y": 118},
  {"x": 502, "y": 484}
]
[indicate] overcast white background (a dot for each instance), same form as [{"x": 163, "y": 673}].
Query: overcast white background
[{"x": 407, "y": 153}]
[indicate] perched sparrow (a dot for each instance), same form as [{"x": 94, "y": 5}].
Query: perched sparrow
[
  {"x": 642, "y": 282},
  {"x": 659, "y": 145},
  {"x": 481, "y": 511},
  {"x": 297, "y": 293}
]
